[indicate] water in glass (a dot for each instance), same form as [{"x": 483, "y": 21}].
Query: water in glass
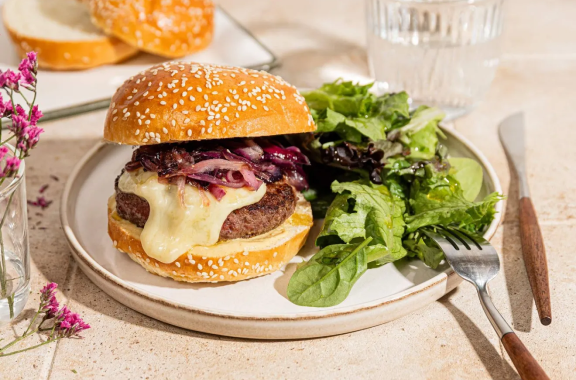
[{"x": 443, "y": 53}]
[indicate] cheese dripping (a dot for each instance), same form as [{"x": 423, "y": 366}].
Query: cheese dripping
[{"x": 172, "y": 229}]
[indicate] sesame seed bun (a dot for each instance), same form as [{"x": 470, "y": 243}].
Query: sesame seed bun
[
  {"x": 183, "y": 101},
  {"x": 269, "y": 253},
  {"x": 171, "y": 29},
  {"x": 68, "y": 42}
]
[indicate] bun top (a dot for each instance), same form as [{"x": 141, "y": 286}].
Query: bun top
[
  {"x": 171, "y": 28},
  {"x": 183, "y": 101}
]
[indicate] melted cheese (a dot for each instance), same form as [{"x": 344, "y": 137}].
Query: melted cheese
[{"x": 172, "y": 229}]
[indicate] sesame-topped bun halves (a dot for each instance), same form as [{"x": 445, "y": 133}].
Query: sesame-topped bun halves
[
  {"x": 182, "y": 101},
  {"x": 170, "y": 28}
]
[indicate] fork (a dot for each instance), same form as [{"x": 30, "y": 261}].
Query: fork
[{"x": 475, "y": 260}]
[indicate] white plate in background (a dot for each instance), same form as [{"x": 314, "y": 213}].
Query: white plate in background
[
  {"x": 57, "y": 90},
  {"x": 255, "y": 308}
]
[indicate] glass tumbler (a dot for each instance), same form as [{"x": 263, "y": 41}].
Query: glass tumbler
[
  {"x": 14, "y": 250},
  {"x": 443, "y": 53}
]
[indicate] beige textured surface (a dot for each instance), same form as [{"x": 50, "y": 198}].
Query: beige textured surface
[{"x": 450, "y": 339}]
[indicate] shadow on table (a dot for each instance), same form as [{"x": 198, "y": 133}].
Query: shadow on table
[
  {"x": 495, "y": 364},
  {"x": 519, "y": 291}
]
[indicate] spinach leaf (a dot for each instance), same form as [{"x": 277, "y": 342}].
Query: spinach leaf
[
  {"x": 326, "y": 280},
  {"x": 468, "y": 173}
]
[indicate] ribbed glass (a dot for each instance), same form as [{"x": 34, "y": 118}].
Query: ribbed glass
[{"x": 443, "y": 53}]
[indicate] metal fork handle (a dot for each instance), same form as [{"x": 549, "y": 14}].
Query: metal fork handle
[
  {"x": 498, "y": 322},
  {"x": 527, "y": 367}
]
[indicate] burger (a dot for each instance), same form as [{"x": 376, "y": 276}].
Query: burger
[{"x": 209, "y": 194}]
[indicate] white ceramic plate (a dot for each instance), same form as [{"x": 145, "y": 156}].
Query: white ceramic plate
[
  {"x": 256, "y": 308},
  {"x": 59, "y": 90}
]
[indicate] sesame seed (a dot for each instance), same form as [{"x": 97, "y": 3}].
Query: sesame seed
[
  {"x": 245, "y": 89},
  {"x": 198, "y": 89},
  {"x": 165, "y": 130},
  {"x": 205, "y": 97},
  {"x": 137, "y": 132},
  {"x": 177, "y": 264},
  {"x": 185, "y": 112},
  {"x": 125, "y": 110},
  {"x": 181, "y": 102},
  {"x": 226, "y": 118},
  {"x": 174, "y": 105},
  {"x": 202, "y": 122},
  {"x": 153, "y": 116},
  {"x": 173, "y": 123},
  {"x": 163, "y": 103},
  {"x": 218, "y": 122},
  {"x": 199, "y": 266},
  {"x": 186, "y": 121},
  {"x": 127, "y": 114},
  {"x": 221, "y": 277},
  {"x": 266, "y": 108},
  {"x": 114, "y": 111},
  {"x": 115, "y": 118},
  {"x": 190, "y": 132}
]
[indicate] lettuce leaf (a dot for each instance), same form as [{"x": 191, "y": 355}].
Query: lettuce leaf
[
  {"x": 421, "y": 133},
  {"x": 356, "y": 114},
  {"x": 439, "y": 200}
]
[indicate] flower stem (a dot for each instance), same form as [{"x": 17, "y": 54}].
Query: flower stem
[
  {"x": 3, "y": 268},
  {"x": 31, "y": 348}
]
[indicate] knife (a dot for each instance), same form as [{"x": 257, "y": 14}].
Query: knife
[{"x": 512, "y": 138}]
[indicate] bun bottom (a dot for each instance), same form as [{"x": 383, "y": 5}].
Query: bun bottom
[{"x": 231, "y": 260}]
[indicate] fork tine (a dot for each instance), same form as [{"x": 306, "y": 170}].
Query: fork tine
[
  {"x": 460, "y": 238},
  {"x": 441, "y": 240}
]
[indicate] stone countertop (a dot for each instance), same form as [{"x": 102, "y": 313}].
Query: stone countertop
[{"x": 316, "y": 41}]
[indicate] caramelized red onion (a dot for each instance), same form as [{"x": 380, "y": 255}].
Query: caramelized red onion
[{"x": 214, "y": 165}]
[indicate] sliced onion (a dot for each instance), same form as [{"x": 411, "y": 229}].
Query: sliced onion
[
  {"x": 216, "y": 191},
  {"x": 211, "y": 179},
  {"x": 212, "y": 165},
  {"x": 251, "y": 180}
]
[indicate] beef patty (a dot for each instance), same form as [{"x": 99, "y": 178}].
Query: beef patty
[{"x": 271, "y": 211}]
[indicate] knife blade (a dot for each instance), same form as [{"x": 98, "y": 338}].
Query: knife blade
[
  {"x": 512, "y": 137},
  {"x": 511, "y": 132}
]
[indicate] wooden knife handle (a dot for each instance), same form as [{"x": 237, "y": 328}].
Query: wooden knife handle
[
  {"x": 527, "y": 367},
  {"x": 535, "y": 259}
]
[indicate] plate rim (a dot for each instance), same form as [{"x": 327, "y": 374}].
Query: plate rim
[{"x": 80, "y": 253}]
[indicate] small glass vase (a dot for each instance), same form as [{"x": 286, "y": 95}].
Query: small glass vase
[{"x": 14, "y": 249}]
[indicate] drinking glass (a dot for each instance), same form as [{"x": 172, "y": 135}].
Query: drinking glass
[
  {"x": 14, "y": 250},
  {"x": 443, "y": 53}
]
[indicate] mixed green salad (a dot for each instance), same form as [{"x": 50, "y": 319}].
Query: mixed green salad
[{"x": 380, "y": 175}]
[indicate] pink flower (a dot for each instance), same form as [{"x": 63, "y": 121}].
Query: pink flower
[
  {"x": 12, "y": 164},
  {"x": 68, "y": 323},
  {"x": 28, "y": 68},
  {"x": 9, "y": 79},
  {"x": 33, "y": 58},
  {"x": 48, "y": 300},
  {"x": 3, "y": 152},
  {"x": 36, "y": 115},
  {"x": 19, "y": 123},
  {"x": 28, "y": 78}
]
